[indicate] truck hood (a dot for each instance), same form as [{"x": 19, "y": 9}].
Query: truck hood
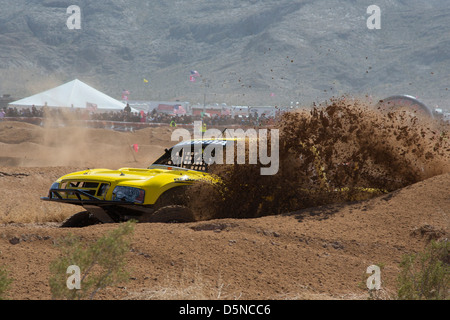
[{"x": 133, "y": 174}]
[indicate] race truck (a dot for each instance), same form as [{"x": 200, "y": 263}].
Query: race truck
[{"x": 155, "y": 194}]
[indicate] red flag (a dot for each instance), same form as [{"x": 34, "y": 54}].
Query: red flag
[
  {"x": 136, "y": 147},
  {"x": 125, "y": 94}
]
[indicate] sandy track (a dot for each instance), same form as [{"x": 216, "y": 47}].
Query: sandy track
[{"x": 317, "y": 253}]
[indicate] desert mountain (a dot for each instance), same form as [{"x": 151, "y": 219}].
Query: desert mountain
[{"x": 247, "y": 52}]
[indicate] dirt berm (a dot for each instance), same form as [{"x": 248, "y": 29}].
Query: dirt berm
[{"x": 318, "y": 253}]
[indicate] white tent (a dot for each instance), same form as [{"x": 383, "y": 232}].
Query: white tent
[{"x": 74, "y": 94}]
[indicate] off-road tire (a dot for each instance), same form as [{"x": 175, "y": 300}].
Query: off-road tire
[
  {"x": 80, "y": 220},
  {"x": 170, "y": 214},
  {"x": 171, "y": 206},
  {"x": 173, "y": 197}
]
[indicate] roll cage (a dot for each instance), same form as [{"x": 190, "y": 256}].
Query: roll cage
[{"x": 190, "y": 155}]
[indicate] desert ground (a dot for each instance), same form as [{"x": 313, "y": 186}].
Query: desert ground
[{"x": 316, "y": 253}]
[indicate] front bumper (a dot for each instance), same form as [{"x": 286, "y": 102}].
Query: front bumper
[
  {"x": 55, "y": 195},
  {"x": 107, "y": 211}
]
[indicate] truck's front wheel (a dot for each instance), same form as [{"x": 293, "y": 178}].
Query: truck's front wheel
[{"x": 170, "y": 214}]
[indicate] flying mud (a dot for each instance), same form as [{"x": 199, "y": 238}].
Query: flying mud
[{"x": 343, "y": 150}]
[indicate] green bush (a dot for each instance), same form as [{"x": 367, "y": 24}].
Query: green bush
[
  {"x": 5, "y": 281},
  {"x": 101, "y": 263},
  {"x": 425, "y": 276}
]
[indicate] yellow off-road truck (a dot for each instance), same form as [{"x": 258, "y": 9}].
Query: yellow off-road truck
[{"x": 155, "y": 194}]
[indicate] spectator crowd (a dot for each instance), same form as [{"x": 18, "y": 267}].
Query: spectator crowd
[{"x": 128, "y": 116}]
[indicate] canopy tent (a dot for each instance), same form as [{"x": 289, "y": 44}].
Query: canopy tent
[{"x": 74, "y": 94}]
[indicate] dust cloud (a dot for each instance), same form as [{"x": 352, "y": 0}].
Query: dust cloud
[
  {"x": 62, "y": 140},
  {"x": 343, "y": 150}
]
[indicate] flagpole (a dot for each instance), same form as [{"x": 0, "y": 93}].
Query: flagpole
[
  {"x": 206, "y": 82},
  {"x": 204, "y": 103}
]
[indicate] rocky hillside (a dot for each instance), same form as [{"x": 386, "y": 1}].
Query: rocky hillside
[{"x": 248, "y": 52}]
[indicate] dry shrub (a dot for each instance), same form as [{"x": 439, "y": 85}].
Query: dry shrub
[
  {"x": 327, "y": 155},
  {"x": 426, "y": 275}
]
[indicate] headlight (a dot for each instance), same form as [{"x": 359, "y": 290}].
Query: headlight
[
  {"x": 54, "y": 186},
  {"x": 128, "y": 194}
]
